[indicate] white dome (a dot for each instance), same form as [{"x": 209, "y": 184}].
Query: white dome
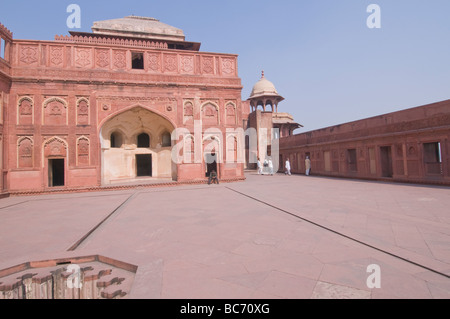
[{"x": 264, "y": 88}]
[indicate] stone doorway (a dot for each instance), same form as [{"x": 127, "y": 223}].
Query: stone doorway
[
  {"x": 56, "y": 170},
  {"x": 386, "y": 161},
  {"x": 144, "y": 165}
]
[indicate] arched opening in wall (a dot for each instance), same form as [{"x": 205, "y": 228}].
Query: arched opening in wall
[
  {"x": 269, "y": 103},
  {"x": 143, "y": 141},
  {"x": 116, "y": 140},
  {"x": 141, "y": 155},
  {"x": 260, "y": 104},
  {"x": 166, "y": 139}
]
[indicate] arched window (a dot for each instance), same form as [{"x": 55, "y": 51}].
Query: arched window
[
  {"x": 166, "y": 139},
  {"x": 143, "y": 141},
  {"x": 116, "y": 140}
]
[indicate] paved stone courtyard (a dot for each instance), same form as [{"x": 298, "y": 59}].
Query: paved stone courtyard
[{"x": 270, "y": 237}]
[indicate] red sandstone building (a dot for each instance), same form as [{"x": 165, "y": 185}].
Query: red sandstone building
[
  {"x": 98, "y": 109},
  {"x": 407, "y": 146}
]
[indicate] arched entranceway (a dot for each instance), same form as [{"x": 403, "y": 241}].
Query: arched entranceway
[{"x": 135, "y": 147}]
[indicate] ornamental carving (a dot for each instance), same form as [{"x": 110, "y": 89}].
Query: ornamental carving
[
  {"x": 83, "y": 151},
  {"x": 188, "y": 113},
  {"x": 55, "y": 112},
  {"x": 120, "y": 61},
  {"x": 55, "y": 147},
  {"x": 83, "y": 112},
  {"x": 83, "y": 57},
  {"x": 25, "y": 152},
  {"x": 210, "y": 114},
  {"x": 56, "y": 56},
  {"x": 29, "y": 54},
  {"x": 187, "y": 64},
  {"x": 102, "y": 58},
  {"x": 208, "y": 65},
  {"x": 231, "y": 114},
  {"x": 25, "y": 111},
  {"x": 170, "y": 63},
  {"x": 228, "y": 66},
  {"x": 154, "y": 63},
  {"x": 188, "y": 109},
  {"x": 26, "y": 106}
]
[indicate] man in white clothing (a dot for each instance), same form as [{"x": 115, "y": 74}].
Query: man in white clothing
[{"x": 288, "y": 168}]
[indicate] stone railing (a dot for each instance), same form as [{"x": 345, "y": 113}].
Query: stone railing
[{"x": 111, "y": 41}]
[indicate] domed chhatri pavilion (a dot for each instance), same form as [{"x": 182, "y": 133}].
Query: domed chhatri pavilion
[{"x": 264, "y": 117}]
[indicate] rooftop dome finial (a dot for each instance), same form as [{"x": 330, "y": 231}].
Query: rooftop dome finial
[{"x": 262, "y": 74}]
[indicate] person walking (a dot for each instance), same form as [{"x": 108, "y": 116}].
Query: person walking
[
  {"x": 308, "y": 166},
  {"x": 270, "y": 166},
  {"x": 260, "y": 170},
  {"x": 288, "y": 168}
]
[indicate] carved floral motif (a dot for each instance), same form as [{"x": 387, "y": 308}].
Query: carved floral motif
[{"x": 29, "y": 55}]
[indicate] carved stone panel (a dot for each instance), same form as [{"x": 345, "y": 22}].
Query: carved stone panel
[
  {"x": 170, "y": 63},
  {"x": 56, "y": 56},
  {"x": 83, "y": 112},
  {"x": 208, "y": 65},
  {"x": 210, "y": 114},
  {"x": 102, "y": 58},
  {"x": 83, "y": 151},
  {"x": 25, "y": 111},
  {"x": 120, "y": 59},
  {"x": 55, "y": 147},
  {"x": 230, "y": 114},
  {"x": 188, "y": 112},
  {"x": 29, "y": 54},
  {"x": 25, "y": 152},
  {"x": 83, "y": 57},
  {"x": 55, "y": 112},
  {"x": 187, "y": 64},
  {"x": 154, "y": 62},
  {"x": 229, "y": 66}
]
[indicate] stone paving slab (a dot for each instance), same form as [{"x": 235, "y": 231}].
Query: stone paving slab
[{"x": 270, "y": 237}]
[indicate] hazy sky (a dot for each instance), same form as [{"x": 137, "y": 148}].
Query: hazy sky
[{"x": 320, "y": 54}]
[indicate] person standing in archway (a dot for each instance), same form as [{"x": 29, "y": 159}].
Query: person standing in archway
[{"x": 308, "y": 166}]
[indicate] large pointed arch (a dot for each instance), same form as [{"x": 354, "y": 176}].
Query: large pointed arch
[{"x": 131, "y": 163}]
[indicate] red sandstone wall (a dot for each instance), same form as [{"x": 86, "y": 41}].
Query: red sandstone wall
[
  {"x": 5, "y": 83},
  {"x": 64, "y": 92},
  {"x": 404, "y": 134}
]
